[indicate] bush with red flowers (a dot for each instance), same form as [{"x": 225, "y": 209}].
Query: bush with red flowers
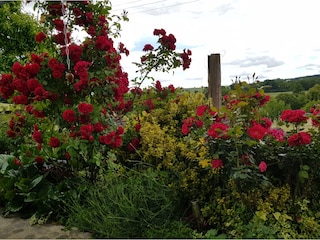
[{"x": 70, "y": 105}]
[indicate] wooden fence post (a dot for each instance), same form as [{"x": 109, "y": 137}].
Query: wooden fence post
[{"x": 214, "y": 79}]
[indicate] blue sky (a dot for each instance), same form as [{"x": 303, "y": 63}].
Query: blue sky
[{"x": 272, "y": 38}]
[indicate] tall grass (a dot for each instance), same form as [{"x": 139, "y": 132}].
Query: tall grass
[{"x": 137, "y": 205}]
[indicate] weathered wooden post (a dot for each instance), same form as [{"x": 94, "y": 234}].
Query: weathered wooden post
[{"x": 214, "y": 79}]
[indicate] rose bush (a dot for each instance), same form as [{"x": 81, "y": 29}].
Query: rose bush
[
  {"x": 70, "y": 106},
  {"x": 232, "y": 152}
]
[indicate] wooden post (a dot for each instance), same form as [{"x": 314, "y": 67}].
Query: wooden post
[{"x": 214, "y": 79}]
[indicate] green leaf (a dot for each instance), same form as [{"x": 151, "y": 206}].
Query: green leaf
[
  {"x": 305, "y": 167},
  {"x": 36, "y": 181},
  {"x": 4, "y": 162},
  {"x": 31, "y": 196},
  {"x": 303, "y": 175}
]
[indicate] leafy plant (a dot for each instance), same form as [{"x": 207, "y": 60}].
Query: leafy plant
[{"x": 137, "y": 204}]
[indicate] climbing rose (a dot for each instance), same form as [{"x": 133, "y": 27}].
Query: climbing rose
[
  {"x": 37, "y": 136},
  {"x": 54, "y": 142},
  {"x": 186, "y": 60},
  {"x": 85, "y": 108},
  {"x": 69, "y": 116},
  {"x": 40, "y": 37},
  {"x": 103, "y": 43},
  {"x": 147, "y": 47},
  {"x": 39, "y": 159}
]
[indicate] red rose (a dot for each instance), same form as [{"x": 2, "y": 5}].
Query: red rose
[
  {"x": 98, "y": 127},
  {"x": 103, "y": 43},
  {"x": 86, "y": 131},
  {"x": 294, "y": 116},
  {"x": 147, "y": 47},
  {"x": 171, "y": 87},
  {"x": 137, "y": 127},
  {"x": 40, "y": 37},
  {"x": 67, "y": 155},
  {"x": 39, "y": 159},
  {"x": 298, "y": 139},
  {"x": 75, "y": 53},
  {"x": 11, "y": 134},
  {"x": 59, "y": 25},
  {"x": 256, "y": 131},
  {"x": 22, "y": 99},
  {"x": 117, "y": 142},
  {"x": 33, "y": 84},
  {"x": 158, "y": 86},
  {"x": 201, "y": 110},
  {"x": 185, "y": 129},
  {"x": 186, "y": 60},
  {"x": 69, "y": 116},
  {"x": 37, "y": 136},
  {"x": 5, "y": 79},
  {"x": 216, "y": 163},
  {"x": 133, "y": 145},
  {"x": 17, "y": 162},
  {"x": 218, "y": 130},
  {"x": 85, "y": 108},
  {"x": 168, "y": 41},
  {"x": 158, "y": 32},
  {"x": 54, "y": 142}
]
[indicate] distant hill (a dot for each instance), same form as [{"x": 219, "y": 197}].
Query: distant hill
[{"x": 303, "y": 83}]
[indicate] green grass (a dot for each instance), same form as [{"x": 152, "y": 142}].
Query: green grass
[{"x": 274, "y": 94}]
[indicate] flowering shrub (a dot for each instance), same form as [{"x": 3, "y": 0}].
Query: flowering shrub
[
  {"x": 72, "y": 104},
  {"x": 70, "y": 116},
  {"x": 231, "y": 152}
]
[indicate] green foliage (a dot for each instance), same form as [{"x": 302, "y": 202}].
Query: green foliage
[
  {"x": 295, "y": 101},
  {"x": 5, "y": 145},
  {"x": 134, "y": 205},
  {"x": 17, "y": 33},
  {"x": 292, "y": 84},
  {"x": 274, "y": 108},
  {"x": 31, "y": 193},
  {"x": 313, "y": 94}
]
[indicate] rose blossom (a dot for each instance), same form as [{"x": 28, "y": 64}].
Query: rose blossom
[
  {"x": 40, "y": 37},
  {"x": 69, "y": 116},
  {"x": 85, "y": 108},
  {"x": 256, "y": 131},
  {"x": 218, "y": 130},
  {"x": 294, "y": 116},
  {"x": 263, "y": 166},
  {"x": 54, "y": 142},
  {"x": 216, "y": 163},
  {"x": 301, "y": 138}
]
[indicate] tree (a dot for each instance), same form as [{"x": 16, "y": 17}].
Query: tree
[
  {"x": 17, "y": 33},
  {"x": 274, "y": 108},
  {"x": 313, "y": 93}
]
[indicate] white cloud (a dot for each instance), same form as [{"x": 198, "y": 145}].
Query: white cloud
[{"x": 274, "y": 39}]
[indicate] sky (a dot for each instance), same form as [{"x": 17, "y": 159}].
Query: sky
[{"x": 271, "y": 38}]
